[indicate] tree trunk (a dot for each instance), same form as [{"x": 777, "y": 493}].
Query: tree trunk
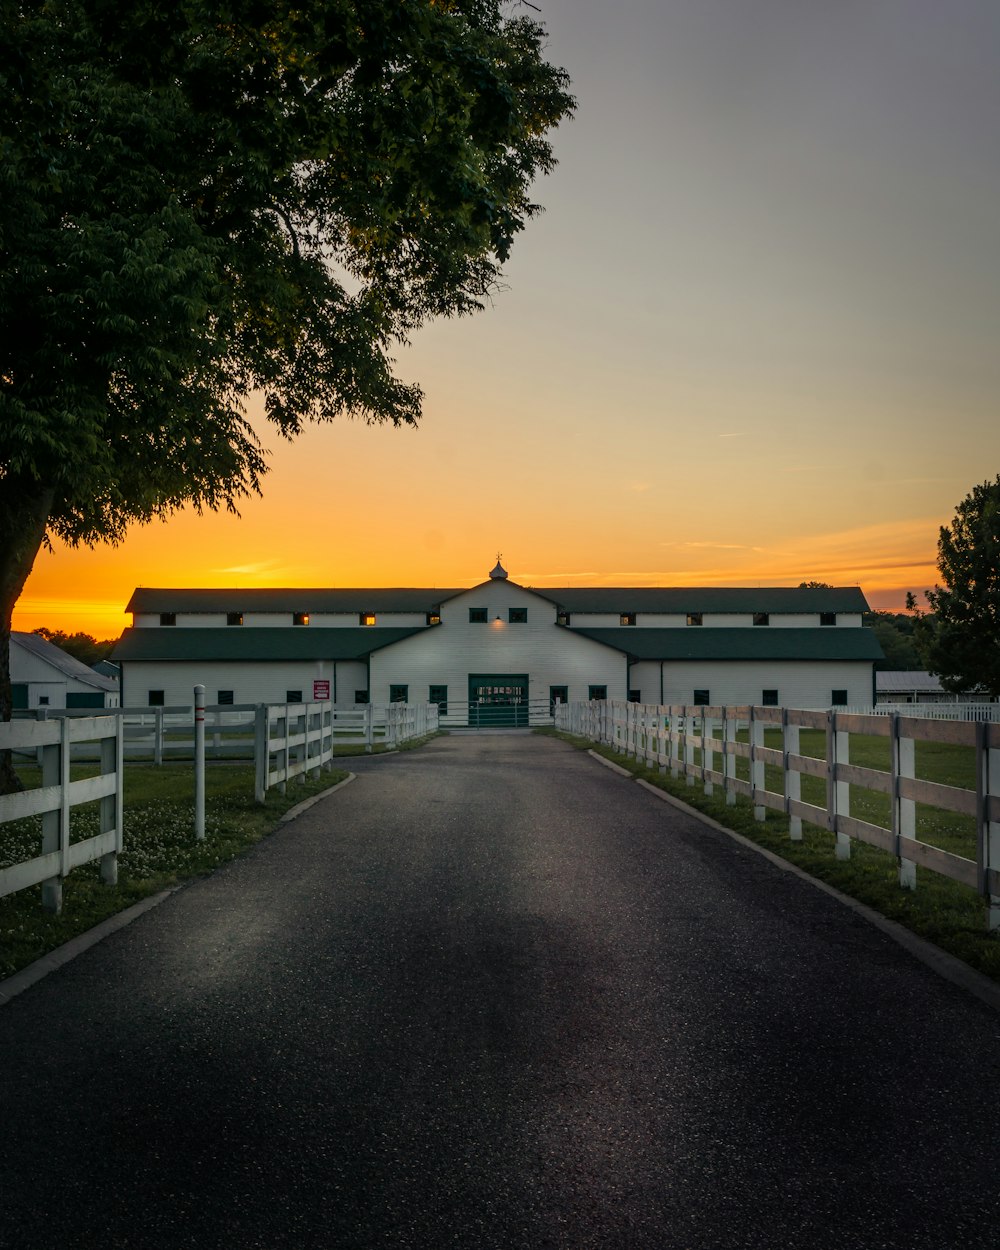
[{"x": 24, "y": 514}]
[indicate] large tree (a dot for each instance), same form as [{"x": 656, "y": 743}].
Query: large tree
[
  {"x": 199, "y": 201},
  {"x": 960, "y": 639}
]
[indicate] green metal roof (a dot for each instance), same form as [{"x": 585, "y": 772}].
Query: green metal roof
[
  {"x": 251, "y": 643},
  {"x": 684, "y": 599},
  {"x": 289, "y": 599},
  {"x": 761, "y": 643}
]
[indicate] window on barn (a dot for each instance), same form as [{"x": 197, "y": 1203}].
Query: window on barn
[
  {"x": 366, "y": 618},
  {"x": 168, "y": 618},
  {"x": 627, "y": 618},
  {"x": 769, "y": 698},
  {"x": 361, "y": 696},
  {"x": 399, "y": 694},
  {"x": 155, "y": 698},
  {"x": 635, "y": 696},
  {"x": 695, "y": 618},
  {"x": 293, "y": 696},
  {"x": 762, "y": 618},
  {"x": 43, "y": 700},
  {"x": 433, "y": 618},
  {"x": 477, "y": 616},
  {"x": 225, "y": 696},
  {"x": 838, "y": 698},
  {"x": 558, "y": 694},
  {"x": 439, "y": 695},
  {"x": 234, "y": 618},
  {"x": 300, "y": 618},
  {"x": 517, "y": 616},
  {"x": 828, "y": 618},
  {"x": 702, "y": 697},
  {"x": 562, "y": 618},
  {"x": 597, "y": 692}
]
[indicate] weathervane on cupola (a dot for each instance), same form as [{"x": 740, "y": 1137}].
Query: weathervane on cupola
[{"x": 499, "y": 573}]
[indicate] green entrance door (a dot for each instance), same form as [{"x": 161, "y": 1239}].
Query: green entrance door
[{"x": 498, "y": 700}]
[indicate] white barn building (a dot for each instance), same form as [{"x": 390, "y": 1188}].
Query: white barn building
[
  {"x": 43, "y": 675},
  {"x": 499, "y": 647}
]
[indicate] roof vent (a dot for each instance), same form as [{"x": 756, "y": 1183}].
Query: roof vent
[{"x": 498, "y": 573}]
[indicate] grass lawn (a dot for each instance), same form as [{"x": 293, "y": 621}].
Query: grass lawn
[
  {"x": 160, "y": 849},
  {"x": 943, "y": 911}
]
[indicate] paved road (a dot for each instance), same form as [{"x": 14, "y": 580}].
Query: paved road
[{"x": 493, "y": 995}]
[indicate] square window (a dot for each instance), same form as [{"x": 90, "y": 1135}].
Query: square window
[
  {"x": 155, "y": 698},
  {"x": 838, "y": 698},
  {"x": 558, "y": 694},
  {"x": 477, "y": 616},
  {"x": 762, "y": 618},
  {"x": 366, "y": 618},
  {"x": 168, "y": 618},
  {"x": 701, "y": 698},
  {"x": 300, "y": 618},
  {"x": 695, "y": 618},
  {"x": 293, "y": 696},
  {"x": 361, "y": 696},
  {"x": 517, "y": 616},
  {"x": 43, "y": 700},
  {"x": 399, "y": 694},
  {"x": 225, "y": 696},
  {"x": 627, "y": 618},
  {"x": 828, "y": 618},
  {"x": 769, "y": 698},
  {"x": 562, "y": 618},
  {"x": 234, "y": 618},
  {"x": 439, "y": 695},
  {"x": 433, "y": 618},
  {"x": 635, "y": 696},
  {"x": 597, "y": 692}
]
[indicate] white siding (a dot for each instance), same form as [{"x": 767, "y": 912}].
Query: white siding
[
  {"x": 799, "y": 683},
  {"x": 260, "y": 682},
  {"x": 448, "y": 653}
]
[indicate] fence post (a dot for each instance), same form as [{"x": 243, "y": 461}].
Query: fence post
[
  {"x": 756, "y": 765},
  {"x": 369, "y": 727},
  {"x": 707, "y": 754},
  {"x": 55, "y": 825},
  {"x": 730, "y": 729},
  {"x": 793, "y": 778},
  {"x": 987, "y": 799},
  {"x": 838, "y": 793},
  {"x": 158, "y": 737},
  {"x": 261, "y": 755},
  {"x": 110, "y": 805},
  {"x": 199, "y": 763},
  {"x": 904, "y": 811}
]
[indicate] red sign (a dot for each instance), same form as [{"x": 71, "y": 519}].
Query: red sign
[{"x": 321, "y": 690}]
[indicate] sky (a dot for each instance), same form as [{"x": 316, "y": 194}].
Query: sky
[{"x": 752, "y": 340}]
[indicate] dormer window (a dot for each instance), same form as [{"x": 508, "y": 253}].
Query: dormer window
[
  {"x": 433, "y": 618},
  {"x": 562, "y": 618},
  {"x": 762, "y": 618},
  {"x": 828, "y": 618},
  {"x": 168, "y": 618},
  {"x": 234, "y": 618},
  {"x": 695, "y": 618},
  {"x": 367, "y": 618},
  {"x": 627, "y": 618},
  {"x": 300, "y": 618}
]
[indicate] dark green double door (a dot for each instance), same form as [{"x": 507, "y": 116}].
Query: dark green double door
[{"x": 498, "y": 700}]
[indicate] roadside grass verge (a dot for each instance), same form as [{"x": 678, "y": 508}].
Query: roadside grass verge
[
  {"x": 944, "y": 912},
  {"x": 159, "y": 852}
]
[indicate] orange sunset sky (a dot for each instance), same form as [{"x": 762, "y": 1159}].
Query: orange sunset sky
[{"x": 752, "y": 340}]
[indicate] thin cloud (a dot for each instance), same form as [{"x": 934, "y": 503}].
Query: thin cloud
[{"x": 738, "y": 434}]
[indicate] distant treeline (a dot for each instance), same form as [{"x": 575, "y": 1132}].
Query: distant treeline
[{"x": 83, "y": 647}]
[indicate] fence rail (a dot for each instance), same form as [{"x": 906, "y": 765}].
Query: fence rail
[
  {"x": 55, "y": 799},
  {"x": 705, "y": 743}
]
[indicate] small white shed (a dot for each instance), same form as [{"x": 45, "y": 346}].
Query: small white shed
[{"x": 43, "y": 675}]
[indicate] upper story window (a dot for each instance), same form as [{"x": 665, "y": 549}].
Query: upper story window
[
  {"x": 627, "y": 618},
  {"x": 234, "y": 618},
  {"x": 366, "y": 618},
  {"x": 300, "y": 618},
  {"x": 477, "y": 616},
  {"x": 168, "y": 618},
  {"x": 695, "y": 618},
  {"x": 762, "y": 618},
  {"x": 562, "y": 618},
  {"x": 828, "y": 618},
  {"x": 517, "y": 616},
  {"x": 433, "y": 618}
]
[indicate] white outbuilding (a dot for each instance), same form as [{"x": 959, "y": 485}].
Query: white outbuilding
[
  {"x": 43, "y": 675},
  {"x": 500, "y": 652}
]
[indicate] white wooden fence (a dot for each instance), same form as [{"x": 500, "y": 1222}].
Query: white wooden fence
[
  {"x": 933, "y": 711},
  {"x": 704, "y": 743},
  {"x": 55, "y": 798}
]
